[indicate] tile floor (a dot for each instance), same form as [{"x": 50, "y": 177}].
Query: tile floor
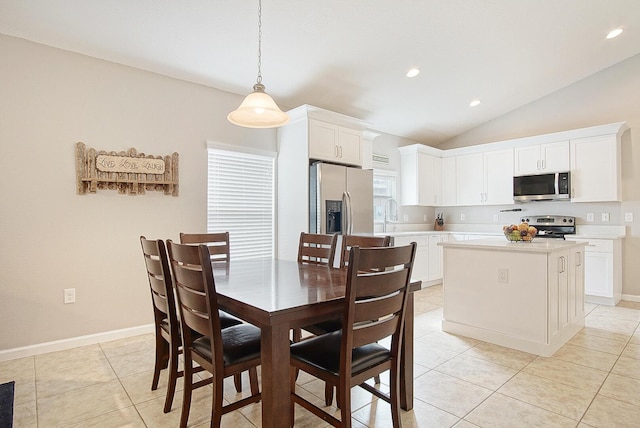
[{"x": 593, "y": 381}]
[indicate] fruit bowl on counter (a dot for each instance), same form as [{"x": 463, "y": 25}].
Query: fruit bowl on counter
[{"x": 520, "y": 232}]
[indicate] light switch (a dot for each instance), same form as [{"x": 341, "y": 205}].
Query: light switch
[
  {"x": 462, "y": 217},
  {"x": 628, "y": 217},
  {"x": 589, "y": 216}
]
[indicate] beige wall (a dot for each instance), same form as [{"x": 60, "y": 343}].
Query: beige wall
[
  {"x": 612, "y": 95},
  {"x": 53, "y": 238}
]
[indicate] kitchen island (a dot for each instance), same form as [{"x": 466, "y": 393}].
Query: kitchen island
[{"x": 523, "y": 295}]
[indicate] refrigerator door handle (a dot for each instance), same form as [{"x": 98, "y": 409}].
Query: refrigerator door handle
[
  {"x": 346, "y": 213},
  {"x": 349, "y": 210}
]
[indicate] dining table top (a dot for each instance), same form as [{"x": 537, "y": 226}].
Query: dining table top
[{"x": 278, "y": 287}]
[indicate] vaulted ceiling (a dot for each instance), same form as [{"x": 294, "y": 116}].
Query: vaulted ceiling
[{"x": 351, "y": 56}]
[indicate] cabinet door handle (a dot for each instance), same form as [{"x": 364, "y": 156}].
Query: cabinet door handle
[
  {"x": 579, "y": 258},
  {"x": 544, "y": 164},
  {"x": 562, "y": 264},
  {"x": 340, "y": 151},
  {"x": 538, "y": 164}
]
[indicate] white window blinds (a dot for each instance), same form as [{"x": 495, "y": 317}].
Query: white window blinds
[{"x": 240, "y": 201}]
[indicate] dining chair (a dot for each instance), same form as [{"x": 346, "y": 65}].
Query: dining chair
[
  {"x": 348, "y": 241},
  {"x": 317, "y": 248},
  {"x": 219, "y": 246},
  {"x": 222, "y": 352},
  {"x": 376, "y": 296},
  {"x": 167, "y": 326}
]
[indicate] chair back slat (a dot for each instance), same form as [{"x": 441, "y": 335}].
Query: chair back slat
[
  {"x": 317, "y": 249},
  {"x": 218, "y": 243},
  {"x": 375, "y": 331},
  {"x": 381, "y": 284},
  {"x": 367, "y": 310},
  {"x": 349, "y": 241}
]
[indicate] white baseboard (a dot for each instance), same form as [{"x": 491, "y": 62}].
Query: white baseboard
[
  {"x": 74, "y": 342},
  {"x": 630, "y": 298}
]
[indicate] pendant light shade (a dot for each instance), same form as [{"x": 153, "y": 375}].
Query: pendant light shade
[{"x": 258, "y": 110}]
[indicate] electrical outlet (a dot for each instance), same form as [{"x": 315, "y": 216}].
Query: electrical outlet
[
  {"x": 405, "y": 217},
  {"x": 628, "y": 217},
  {"x": 462, "y": 217},
  {"x": 495, "y": 218},
  {"x": 69, "y": 295},
  {"x": 503, "y": 276},
  {"x": 605, "y": 216},
  {"x": 589, "y": 216}
]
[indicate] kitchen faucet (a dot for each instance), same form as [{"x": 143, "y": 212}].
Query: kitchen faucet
[{"x": 389, "y": 215}]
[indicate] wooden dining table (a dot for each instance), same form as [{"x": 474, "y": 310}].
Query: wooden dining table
[{"x": 278, "y": 295}]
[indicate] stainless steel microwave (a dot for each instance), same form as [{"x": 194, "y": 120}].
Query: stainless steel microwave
[{"x": 542, "y": 187}]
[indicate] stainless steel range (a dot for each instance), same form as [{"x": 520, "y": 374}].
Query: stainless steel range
[{"x": 552, "y": 226}]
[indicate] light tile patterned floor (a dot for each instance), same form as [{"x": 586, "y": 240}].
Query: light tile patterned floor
[{"x": 593, "y": 381}]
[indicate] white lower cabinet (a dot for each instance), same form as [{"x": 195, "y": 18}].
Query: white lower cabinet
[
  {"x": 427, "y": 266},
  {"x": 421, "y": 262},
  {"x": 602, "y": 271},
  {"x": 435, "y": 256}
]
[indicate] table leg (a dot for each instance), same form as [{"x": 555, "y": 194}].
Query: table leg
[
  {"x": 406, "y": 366},
  {"x": 276, "y": 388}
]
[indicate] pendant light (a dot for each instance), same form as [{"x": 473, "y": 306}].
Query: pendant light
[{"x": 258, "y": 110}]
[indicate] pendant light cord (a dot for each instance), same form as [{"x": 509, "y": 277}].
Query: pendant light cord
[{"x": 259, "y": 41}]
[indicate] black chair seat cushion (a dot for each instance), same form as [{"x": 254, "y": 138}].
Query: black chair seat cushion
[
  {"x": 324, "y": 352},
  {"x": 239, "y": 343},
  {"x": 228, "y": 320},
  {"x": 324, "y": 327}
]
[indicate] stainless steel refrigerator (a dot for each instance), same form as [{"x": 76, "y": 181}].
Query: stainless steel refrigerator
[{"x": 341, "y": 199}]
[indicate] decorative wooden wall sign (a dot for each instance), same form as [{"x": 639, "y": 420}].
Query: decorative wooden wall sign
[{"x": 127, "y": 172}]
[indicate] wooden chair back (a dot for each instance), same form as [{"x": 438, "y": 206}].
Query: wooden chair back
[
  {"x": 218, "y": 244},
  {"x": 376, "y": 297},
  {"x": 196, "y": 295},
  {"x": 317, "y": 248},
  {"x": 160, "y": 282},
  {"x": 349, "y": 241}
]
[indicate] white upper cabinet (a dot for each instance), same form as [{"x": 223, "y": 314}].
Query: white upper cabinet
[
  {"x": 595, "y": 169},
  {"x": 334, "y": 143},
  {"x": 485, "y": 178},
  {"x": 470, "y": 179},
  {"x": 541, "y": 158},
  {"x": 449, "y": 191},
  {"x": 421, "y": 176}
]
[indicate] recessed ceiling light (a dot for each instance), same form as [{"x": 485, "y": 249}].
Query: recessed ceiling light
[
  {"x": 614, "y": 33},
  {"x": 474, "y": 103},
  {"x": 413, "y": 72}
]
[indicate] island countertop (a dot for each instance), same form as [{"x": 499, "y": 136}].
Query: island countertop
[{"x": 537, "y": 246}]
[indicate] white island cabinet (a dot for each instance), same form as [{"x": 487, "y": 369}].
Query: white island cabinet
[{"x": 523, "y": 295}]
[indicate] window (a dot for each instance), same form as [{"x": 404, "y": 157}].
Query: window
[
  {"x": 240, "y": 200},
  {"x": 384, "y": 196}
]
